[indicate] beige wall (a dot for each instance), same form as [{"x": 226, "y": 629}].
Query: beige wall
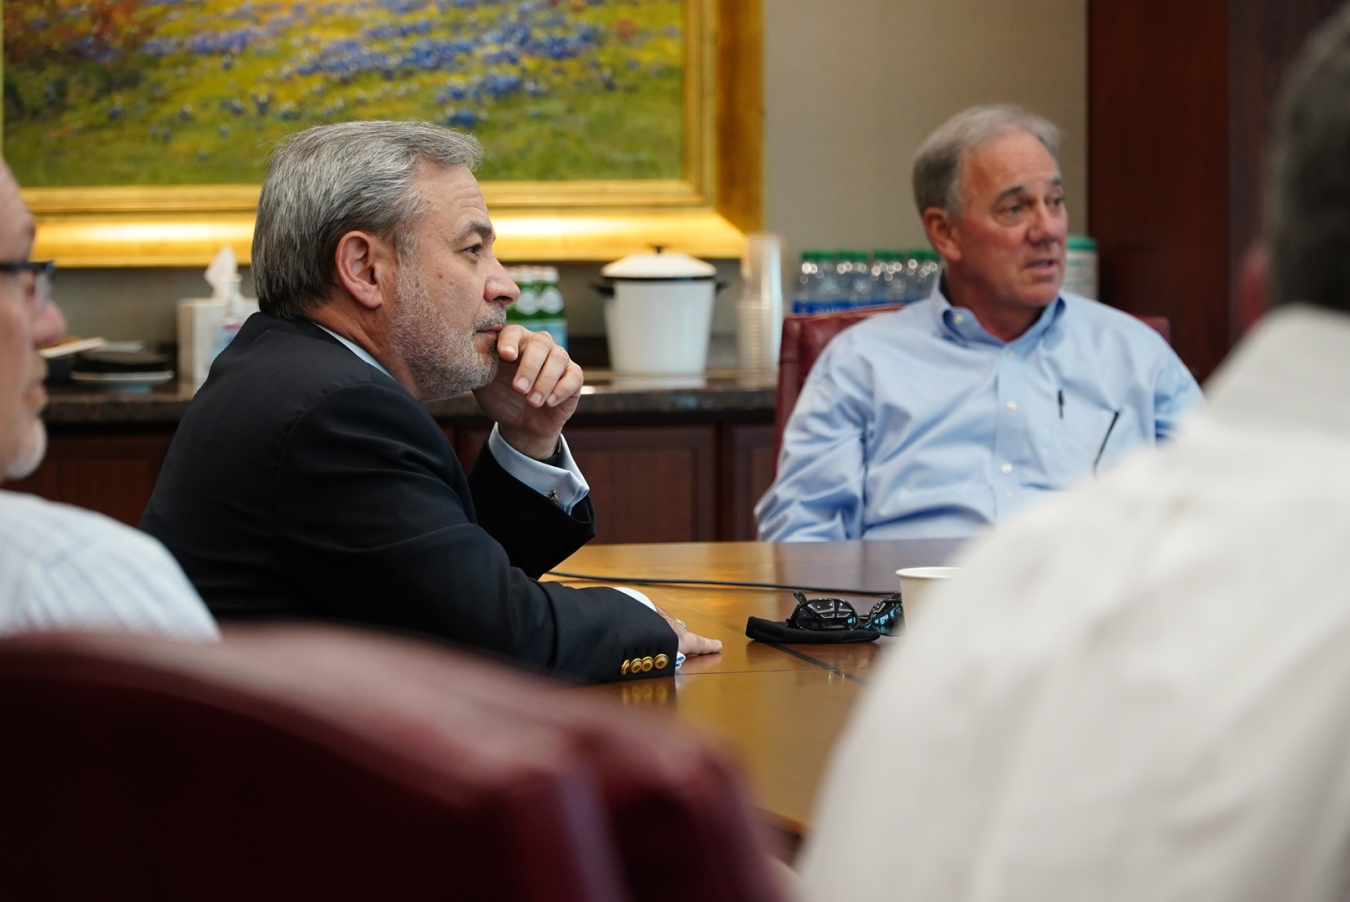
[{"x": 853, "y": 86}]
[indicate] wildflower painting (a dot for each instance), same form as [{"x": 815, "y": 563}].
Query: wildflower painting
[{"x": 197, "y": 92}]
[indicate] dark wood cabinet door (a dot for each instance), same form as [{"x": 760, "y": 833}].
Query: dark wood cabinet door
[
  {"x": 649, "y": 483},
  {"x": 747, "y": 470},
  {"x": 111, "y": 474},
  {"x": 692, "y": 482}
]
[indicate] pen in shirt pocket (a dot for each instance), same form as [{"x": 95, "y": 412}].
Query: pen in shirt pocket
[
  {"x": 1105, "y": 438},
  {"x": 1060, "y": 394}
]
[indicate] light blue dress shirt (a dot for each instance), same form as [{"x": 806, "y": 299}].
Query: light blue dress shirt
[{"x": 920, "y": 424}]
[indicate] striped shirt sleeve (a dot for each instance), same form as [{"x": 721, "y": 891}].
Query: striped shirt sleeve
[{"x": 66, "y": 568}]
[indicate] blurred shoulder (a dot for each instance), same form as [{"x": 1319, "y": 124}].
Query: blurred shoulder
[{"x": 47, "y": 533}]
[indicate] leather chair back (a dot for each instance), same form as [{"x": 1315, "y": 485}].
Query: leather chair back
[
  {"x": 324, "y": 763},
  {"x": 805, "y": 337}
]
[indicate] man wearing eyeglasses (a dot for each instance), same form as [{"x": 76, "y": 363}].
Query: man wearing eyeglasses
[{"x": 61, "y": 567}]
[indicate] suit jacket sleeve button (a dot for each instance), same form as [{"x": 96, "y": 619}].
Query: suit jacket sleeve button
[
  {"x": 624, "y": 668},
  {"x": 661, "y": 662},
  {"x": 647, "y": 663}
]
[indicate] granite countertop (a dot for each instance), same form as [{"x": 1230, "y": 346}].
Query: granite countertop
[{"x": 605, "y": 394}]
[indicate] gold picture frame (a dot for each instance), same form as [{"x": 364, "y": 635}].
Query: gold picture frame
[{"x": 706, "y": 213}]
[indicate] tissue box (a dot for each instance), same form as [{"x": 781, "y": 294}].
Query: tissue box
[{"x": 200, "y": 323}]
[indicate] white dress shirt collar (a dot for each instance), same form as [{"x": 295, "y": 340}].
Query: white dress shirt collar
[{"x": 357, "y": 350}]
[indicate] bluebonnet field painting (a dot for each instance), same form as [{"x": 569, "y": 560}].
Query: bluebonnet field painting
[{"x": 168, "y": 92}]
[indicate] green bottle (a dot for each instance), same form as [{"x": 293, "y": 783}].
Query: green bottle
[
  {"x": 526, "y": 307},
  {"x": 549, "y": 316}
]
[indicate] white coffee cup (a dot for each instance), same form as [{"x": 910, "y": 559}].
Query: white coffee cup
[{"x": 917, "y": 582}]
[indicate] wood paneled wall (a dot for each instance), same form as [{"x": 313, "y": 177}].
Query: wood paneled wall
[{"x": 1179, "y": 100}]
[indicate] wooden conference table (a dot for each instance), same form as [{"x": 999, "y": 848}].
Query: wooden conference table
[{"x": 777, "y": 708}]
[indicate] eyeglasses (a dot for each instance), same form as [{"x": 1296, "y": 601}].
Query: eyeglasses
[
  {"x": 820, "y": 614},
  {"x": 39, "y": 281}
]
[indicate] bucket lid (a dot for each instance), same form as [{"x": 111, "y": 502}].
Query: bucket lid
[{"x": 659, "y": 266}]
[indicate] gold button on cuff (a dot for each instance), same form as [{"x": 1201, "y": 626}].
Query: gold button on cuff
[
  {"x": 624, "y": 668},
  {"x": 647, "y": 663},
  {"x": 661, "y": 662}
]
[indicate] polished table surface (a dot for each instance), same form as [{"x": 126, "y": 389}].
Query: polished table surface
[{"x": 778, "y": 708}]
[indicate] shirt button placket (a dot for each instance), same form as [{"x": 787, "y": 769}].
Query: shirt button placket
[{"x": 1011, "y": 432}]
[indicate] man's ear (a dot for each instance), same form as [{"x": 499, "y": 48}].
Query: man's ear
[
  {"x": 1253, "y": 290},
  {"x": 365, "y": 268},
  {"x": 941, "y": 233}
]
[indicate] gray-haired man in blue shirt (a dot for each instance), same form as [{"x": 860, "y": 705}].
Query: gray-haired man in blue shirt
[{"x": 947, "y": 416}]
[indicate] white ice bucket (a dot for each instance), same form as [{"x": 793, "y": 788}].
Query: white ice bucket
[{"x": 660, "y": 317}]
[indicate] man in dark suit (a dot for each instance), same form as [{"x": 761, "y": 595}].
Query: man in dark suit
[{"x": 306, "y": 479}]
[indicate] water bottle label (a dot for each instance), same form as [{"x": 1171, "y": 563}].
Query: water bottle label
[
  {"x": 528, "y": 302},
  {"x": 551, "y": 300}
]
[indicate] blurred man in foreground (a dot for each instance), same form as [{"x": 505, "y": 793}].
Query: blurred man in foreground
[
  {"x": 1142, "y": 691},
  {"x": 955, "y": 412},
  {"x": 62, "y": 567},
  {"x": 306, "y": 479}
]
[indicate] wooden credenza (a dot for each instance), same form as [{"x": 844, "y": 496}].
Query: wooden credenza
[{"x": 679, "y": 465}]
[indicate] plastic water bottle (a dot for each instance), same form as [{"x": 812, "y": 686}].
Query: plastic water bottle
[
  {"x": 803, "y": 286},
  {"x": 921, "y": 271},
  {"x": 817, "y": 289},
  {"x": 855, "y": 277},
  {"x": 827, "y": 291},
  {"x": 888, "y": 277},
  {"x": 550, "y": 316},
  {"x": 523, "y": 310}
]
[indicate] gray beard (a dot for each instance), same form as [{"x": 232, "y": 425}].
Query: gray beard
[{"x": 443, "y": 364}]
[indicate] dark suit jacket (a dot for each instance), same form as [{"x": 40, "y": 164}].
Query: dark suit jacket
[{"x": 302, "y": 482}]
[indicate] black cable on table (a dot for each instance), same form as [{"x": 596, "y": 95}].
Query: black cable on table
[{"x": 643, "y": 581}]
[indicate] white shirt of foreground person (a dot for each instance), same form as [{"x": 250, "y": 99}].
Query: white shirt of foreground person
[
  {"x": 63, "y": 568},
  {"x": 1140, "y": 690}
]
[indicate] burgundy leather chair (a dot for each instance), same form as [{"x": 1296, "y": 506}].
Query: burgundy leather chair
[
  {"x": 806, "y": 335},
  {"x": 300, "y": 762}
]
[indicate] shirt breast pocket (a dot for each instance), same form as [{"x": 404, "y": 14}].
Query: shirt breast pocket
[{"x": 1092, "y": 439}]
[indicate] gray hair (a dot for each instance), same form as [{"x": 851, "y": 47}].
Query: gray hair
[
  {"x": 937, "y": 164},
  {"x": 1307, "y": 221},
  {"x": 331, "y": 179}
]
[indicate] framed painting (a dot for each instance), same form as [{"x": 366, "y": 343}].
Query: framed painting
[{"x": 140, "y": 128}]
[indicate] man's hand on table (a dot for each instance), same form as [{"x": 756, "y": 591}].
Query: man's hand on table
[
  {"x": 535, "y": 392},
  {"x": 691, "y": 643}
]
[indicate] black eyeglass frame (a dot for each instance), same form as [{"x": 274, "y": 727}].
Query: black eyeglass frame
[
  {"x": 42, "y": 271},
  {"x": 825, "y": 614}
]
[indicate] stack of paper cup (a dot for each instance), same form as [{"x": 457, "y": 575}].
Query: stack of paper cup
[{"x": 759, "y": 312}]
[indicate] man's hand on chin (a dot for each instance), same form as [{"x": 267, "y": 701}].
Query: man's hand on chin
[{"x": 535, "y": 391}]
